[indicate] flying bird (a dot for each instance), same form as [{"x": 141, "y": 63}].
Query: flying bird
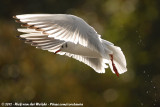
[{"x": 70, "y": 35}]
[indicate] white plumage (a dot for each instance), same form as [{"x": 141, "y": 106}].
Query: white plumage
[{"x": 71, "y": 36}]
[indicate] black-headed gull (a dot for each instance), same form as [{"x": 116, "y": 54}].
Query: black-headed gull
[{"x": 71, "y": 36}]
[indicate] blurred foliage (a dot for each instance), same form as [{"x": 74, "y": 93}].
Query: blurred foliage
[{"x": 31, "y": 75}]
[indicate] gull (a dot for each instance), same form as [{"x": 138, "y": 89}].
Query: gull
[{"x": 69, "y": 35}]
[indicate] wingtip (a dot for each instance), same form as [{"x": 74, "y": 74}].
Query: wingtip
[
  {"x": 25, "y": 25},
  {"x": 14, "y": 17},
  {"x": 28, "y": 41},
  {"x": 34, "y": 44},
  {"x": 22, "y": 39},
  {"x": 18, "y": 21}
]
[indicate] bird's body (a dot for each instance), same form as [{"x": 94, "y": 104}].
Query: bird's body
[
  {"x": 78, "y": 49},
  {"x": 71, "y": 36}
]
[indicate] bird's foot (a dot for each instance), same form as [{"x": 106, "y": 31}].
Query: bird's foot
[
  {"x": 114, "y": 67},
  {"x": 57, "y": 51}
]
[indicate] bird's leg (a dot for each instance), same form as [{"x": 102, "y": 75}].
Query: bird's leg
[
  {"x": 114, "y": 67},
  {"x": 57, "y": 51}
]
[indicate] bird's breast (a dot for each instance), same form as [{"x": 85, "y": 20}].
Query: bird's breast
[{"x": 80, "y": 50}]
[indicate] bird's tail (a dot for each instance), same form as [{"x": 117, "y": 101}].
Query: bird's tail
[{"x": 117, "y": 61}]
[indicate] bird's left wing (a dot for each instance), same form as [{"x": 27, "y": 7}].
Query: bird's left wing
[{"x": 64, "y": 28}]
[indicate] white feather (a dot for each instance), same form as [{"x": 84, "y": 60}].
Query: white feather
[
  {"x": 96, "y": 63},
  {"x": 74, "y": 23},
  {"x": 53, "y": 32}
]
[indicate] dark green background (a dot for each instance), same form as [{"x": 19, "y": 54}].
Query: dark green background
[{"x": 32, "y": 75}]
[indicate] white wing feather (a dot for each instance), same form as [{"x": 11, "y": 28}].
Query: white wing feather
[
  {"x": 98, "y": 64},
  {"x": 66, "y": 28},
  {"x": 51, "y": 31}
]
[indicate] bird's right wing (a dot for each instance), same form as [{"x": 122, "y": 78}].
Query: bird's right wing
[
  {"x": 39, "y": 40},
  {"x": 98, "y": 64}
]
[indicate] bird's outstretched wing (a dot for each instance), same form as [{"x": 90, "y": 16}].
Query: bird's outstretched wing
[
  {"x": 60, "y": 28},
  {"x": 98, "y": 64}
]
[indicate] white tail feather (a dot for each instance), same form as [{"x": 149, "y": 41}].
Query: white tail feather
[{"x": 119, "y": 60}]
